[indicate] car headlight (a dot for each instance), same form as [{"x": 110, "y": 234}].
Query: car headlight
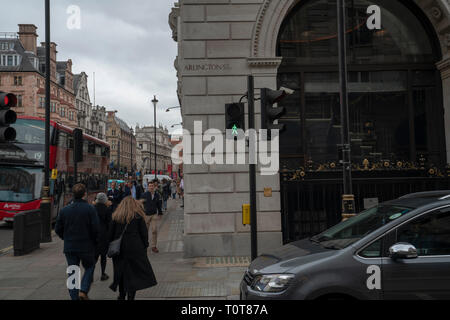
[{"x": 272, "y": 282}]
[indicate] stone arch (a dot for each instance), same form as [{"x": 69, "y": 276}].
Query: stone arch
[{"x": 273, "y": 13}]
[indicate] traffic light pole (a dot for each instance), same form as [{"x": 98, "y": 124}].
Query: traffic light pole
[
  {"x": 348, "y": 199},
  {"x": 46, "y": 228},
  {"x": 252, "y": 172}
]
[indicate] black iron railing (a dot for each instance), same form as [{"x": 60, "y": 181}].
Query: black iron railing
[{"x": 310, "y": 206}]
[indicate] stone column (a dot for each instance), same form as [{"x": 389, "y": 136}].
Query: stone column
[{"x": 444, "y": 67}]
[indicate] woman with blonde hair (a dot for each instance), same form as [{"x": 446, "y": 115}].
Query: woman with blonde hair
[{"x": 132, "y": 269}]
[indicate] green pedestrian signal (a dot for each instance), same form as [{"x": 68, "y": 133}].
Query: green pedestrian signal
[
  {"x": 235, "y": 118},
  {"x": 234, "y": 130}
]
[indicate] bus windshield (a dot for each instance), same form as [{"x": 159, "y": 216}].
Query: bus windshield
[
  {"x": 30, "y": 131},
  {"x": 20, "y": 184}
]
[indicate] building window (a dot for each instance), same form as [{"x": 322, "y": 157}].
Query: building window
[
  {"x": 17, "y": 80},
  {"x": 19, "y": 101},
  {"x": 41, "y": 102},
  {"x": 392, "y": 111}
]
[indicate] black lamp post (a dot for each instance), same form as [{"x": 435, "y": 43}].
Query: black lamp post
[
  {"x": 155, "y": 103},
  {"x": 46, "y": 235}
]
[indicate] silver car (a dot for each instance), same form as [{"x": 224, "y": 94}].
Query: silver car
[{"x": 397, "y": 250}]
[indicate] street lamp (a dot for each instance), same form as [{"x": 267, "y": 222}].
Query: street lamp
[
  {"x": 155, "y": 103},
  {"x": 176, "y": 125},
  {"x": 168, "y": 109}
]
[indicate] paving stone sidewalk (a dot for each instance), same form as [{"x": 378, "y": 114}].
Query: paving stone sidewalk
[{"x": 41, "y": 275}]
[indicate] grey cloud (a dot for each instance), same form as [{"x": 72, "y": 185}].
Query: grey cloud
[{"x": 128, "y": 45}]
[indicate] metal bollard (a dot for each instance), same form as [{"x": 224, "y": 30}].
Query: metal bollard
[{"x": 27, "y": 232}]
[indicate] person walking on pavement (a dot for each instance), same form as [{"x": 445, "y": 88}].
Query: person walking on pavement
[
  {"x": 104, "y": 211},
  {"x": 114, "y": 195},
  {"x": 132, "y": 269},
  {"x": 78, "y": 225},
  {"x": 165, "y": 194},
  {"x": 133, "y": 189},
  {"x": 173, "y": 189},
  {"x": 159, "y": 190},
  {"x": 182, "y": 190},
  {"x": 153, "y": 212}
]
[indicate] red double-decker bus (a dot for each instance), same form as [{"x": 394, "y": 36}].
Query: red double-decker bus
[{"x": 22, "y": 167}]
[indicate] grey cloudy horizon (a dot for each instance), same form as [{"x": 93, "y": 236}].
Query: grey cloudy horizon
[{"x": 127, "y": 44}]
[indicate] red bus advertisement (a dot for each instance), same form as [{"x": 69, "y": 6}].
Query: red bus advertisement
[{"x": 22, "y": 167}]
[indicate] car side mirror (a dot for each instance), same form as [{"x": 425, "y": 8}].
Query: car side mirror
[{"x": 403, "y": 250}]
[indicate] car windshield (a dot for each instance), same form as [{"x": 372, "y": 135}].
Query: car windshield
[
  {"x": 348, "y": 232},
  {"x": 20, "y": 185}
]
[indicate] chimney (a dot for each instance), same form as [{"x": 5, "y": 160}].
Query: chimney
[
  {"x": 53, "y": 53},
  {"x": 28, "y": 37}
]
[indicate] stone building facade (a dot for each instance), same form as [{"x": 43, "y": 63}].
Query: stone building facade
[
  {"x": 122, "y": 141},
  {"x": 22, "y": 72},
  {"x": 98, "y": 122},
  {"x": 91, "y": 119},
  {"x": 145, "y": 139},
  {"x": 221, "y": 42}
]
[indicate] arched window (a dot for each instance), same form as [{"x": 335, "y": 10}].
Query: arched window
[{"x": 394, "y": 92}]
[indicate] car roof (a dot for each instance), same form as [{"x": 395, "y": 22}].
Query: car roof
[{"x": 416, "y": 200}]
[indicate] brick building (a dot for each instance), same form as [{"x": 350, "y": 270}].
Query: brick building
[{"x": 22, "y": 72}]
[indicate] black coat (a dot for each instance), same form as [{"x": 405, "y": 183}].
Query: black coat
[
  {"x": 139, "y": 191},
  {"x": 104, "y": 215},
  {"x": 152, "y": 206},
  {"x": 78, "y": 225},
  {"x": 115, "y": 197},
  {"x": 132, "y": 264}
]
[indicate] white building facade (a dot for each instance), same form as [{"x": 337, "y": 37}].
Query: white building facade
[
  {"x": 145, "y": 141},
  {"x": 285, "y": 43}
]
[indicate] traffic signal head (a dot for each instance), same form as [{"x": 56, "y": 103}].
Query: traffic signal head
[
  {"x": 7, "y": 116},
  {"x": 235, "y": 117},
  {"x": 269, "y": 114}
]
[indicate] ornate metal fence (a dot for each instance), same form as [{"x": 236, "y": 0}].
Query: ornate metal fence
[{"x": 311, "y": 203}]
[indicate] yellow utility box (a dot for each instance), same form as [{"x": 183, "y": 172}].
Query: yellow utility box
[{"x": 246, "y": 214}]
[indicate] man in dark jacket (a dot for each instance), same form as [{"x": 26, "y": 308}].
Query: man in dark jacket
[
  {"x": 132, "y": 188},
  {"x": 152, "y": 206},
  {"x": 114, "y": 196},
  {"x": 78, "y": 226}
]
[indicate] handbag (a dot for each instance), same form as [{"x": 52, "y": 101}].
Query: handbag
[{"x": 114, "y": 246}]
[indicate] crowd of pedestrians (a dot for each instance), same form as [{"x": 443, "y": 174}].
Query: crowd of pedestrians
[{"x": 125, "y": 213}]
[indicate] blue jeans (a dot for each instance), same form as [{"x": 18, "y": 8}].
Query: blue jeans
[{"x": 88, "y": 262}]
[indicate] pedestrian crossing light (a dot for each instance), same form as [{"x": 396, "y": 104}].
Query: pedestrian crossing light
[
  {"x": 7, "y": 117},
  {"x": 269, "y": 114},
  {"x": 235, "y": 118}
]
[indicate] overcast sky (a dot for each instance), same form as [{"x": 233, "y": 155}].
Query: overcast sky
[{"x": 127, "y": 43}]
